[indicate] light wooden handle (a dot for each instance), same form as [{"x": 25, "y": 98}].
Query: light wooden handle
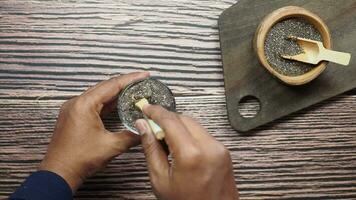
[
  {"x": 157, "y": 130},
  {"x": 336, "y": 57}
]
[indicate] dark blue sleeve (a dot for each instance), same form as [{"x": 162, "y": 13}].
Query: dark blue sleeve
[{"x": 43, "y": 185}]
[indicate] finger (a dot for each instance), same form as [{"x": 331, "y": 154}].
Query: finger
[
  {"x": 156, "y": 157},
  {"x": 122, "y": 141},
  {"x": 97, "y": 85},
  {"x": 108, "y": 90},
  {"x": 177, "y": 135},
  {"x": 91, "y": 88}
]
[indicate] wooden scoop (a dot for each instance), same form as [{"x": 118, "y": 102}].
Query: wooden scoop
[
  {"x": 157, "y": 130},
  {"x": 314, "y": 52}
]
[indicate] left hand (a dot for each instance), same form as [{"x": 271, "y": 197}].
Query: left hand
[{"x": 81, "y": 145}]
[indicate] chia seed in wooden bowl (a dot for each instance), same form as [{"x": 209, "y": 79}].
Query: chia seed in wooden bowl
[
  {"x": 277, "y": 44},
  {"x": 153, "y": 90},
  {"x": 285, "y": 22}
]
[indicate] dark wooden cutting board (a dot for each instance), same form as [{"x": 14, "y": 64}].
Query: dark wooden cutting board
[{"x": 244, "y": 76}]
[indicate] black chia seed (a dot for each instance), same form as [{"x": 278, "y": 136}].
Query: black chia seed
[
  {"x": 153, "y": 90},
  {"x": 277, "y": 43}
]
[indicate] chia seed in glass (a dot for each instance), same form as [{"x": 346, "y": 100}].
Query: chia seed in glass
[
  {"x": 153, "y": 90},
  {"x": 277, "y": 43}
]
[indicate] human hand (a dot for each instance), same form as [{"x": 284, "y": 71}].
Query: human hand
[
  {"x": 80, "y": 144},
  {"x": 201, "y": 166}
]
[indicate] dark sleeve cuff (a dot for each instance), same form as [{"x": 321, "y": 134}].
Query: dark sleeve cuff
[{"x": 43, "y": 185}]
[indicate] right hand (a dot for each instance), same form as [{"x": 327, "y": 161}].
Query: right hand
[{"x": 201, "y": 167}]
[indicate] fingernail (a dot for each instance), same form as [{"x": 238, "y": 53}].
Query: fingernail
[
  {"x": 142, "y": 126},
  {"x": 144, "y": 107}
]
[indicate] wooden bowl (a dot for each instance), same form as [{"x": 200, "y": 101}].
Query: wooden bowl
[{"x": 279, "y": 15}]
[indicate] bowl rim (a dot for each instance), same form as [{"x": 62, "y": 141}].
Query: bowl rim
[
  {"x": 277, "y": 16},
  {"x": 122, "y": 92}
]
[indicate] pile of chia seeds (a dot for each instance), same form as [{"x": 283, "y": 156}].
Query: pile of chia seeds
[
  {"x": 153, "y": 90},
  {"x": 277, "y": 44}
]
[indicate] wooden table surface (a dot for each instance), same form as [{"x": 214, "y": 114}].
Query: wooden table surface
[{"x": 52, "y": 50}]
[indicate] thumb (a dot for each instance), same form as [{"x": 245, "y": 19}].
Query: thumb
[{"x": 156, "y": 157}]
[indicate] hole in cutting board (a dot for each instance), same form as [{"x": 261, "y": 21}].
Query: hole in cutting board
[{"x": 249, "y": 107}]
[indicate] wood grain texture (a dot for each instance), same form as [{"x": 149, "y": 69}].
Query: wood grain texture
[{"x": 53, "y": 50}]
